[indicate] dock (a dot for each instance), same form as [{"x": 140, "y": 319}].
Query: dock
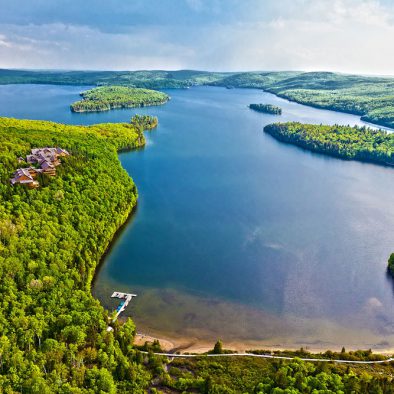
[{"x": 126, "y": 298}]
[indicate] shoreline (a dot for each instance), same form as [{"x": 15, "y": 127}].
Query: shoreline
[
  {"x": 303, "y": 144},
  {"x": 183, "y": 345},
  {"x": 114, "y": 107}
]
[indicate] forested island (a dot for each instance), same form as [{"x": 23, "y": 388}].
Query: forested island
[
  {"x": 266, "y": 108},
  {"x": 351, "y": 143},
  {"x": 146, "y": 122},
  {"x": 110, "y": 97}
]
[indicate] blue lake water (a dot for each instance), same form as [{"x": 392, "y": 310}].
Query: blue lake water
[{"x": 237, "y": 235}]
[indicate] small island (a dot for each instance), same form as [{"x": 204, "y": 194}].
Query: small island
[
  {"x": 145, "y": 122},
  {"x": 106, "y": 98},
  {"x": 346, "y": 142},
  {"x": 266, "y": 108}
]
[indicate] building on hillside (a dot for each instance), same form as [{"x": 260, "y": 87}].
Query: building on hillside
[
  {"x": 48, "y": 168},
  {"x": 25, "y": 176},
  {"x": 45, "y": 161},
  {"x": 49, "y": 155}
]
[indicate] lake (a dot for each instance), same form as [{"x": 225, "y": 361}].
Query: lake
[{"x": 236, "y": 235}]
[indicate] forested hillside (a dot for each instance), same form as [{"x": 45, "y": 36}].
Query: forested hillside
[
  {"x": 53, "y": 332},
  {"x": 158, "y": 79},
  {"x": 370, "y": 97}
]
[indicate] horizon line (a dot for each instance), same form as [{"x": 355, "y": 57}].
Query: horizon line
[{"x": 191, "y": 69}]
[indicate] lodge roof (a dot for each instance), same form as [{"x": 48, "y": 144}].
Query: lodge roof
[{"x": 47, "y": 158}]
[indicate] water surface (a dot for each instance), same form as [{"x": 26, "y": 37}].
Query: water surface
[{"x": 237, "y": 235}]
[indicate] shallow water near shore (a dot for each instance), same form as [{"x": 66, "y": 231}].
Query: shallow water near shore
[{"x": 237, "y": 235}]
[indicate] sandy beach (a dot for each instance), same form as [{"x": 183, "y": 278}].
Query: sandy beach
[{"x": 193, "y": 345}]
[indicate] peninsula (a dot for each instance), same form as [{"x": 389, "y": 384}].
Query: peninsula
[
  {"x": 106, "y": 98},
  {"x": 51, "y": 240},
  {"x": 351, "y": 143}
]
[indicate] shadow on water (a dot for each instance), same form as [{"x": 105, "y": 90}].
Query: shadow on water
[
  {"x": 127, "y": 223},
  {"x": 112, "y": 245},
  {"x": 390, "y": 280}
]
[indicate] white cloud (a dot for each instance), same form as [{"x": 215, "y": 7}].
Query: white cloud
[
  {"x": 341, "y": 35},
  {"x": 4, "y": 42},
  {"x": 80, "y": 47}
]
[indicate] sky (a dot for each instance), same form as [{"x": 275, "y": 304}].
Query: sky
[{"x": 352, "y": 36}]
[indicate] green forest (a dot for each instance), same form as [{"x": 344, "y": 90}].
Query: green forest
[
  {"x": 351, "y": 143},
  {"x": 145, "y": 122},
  {"x": 266, "y": 108},
  {"x": 258, "y": 376},
  {"x": 106, "y": 98},
  {"x": 149, "y": 79},
  {"x": 53, "y": 332}
]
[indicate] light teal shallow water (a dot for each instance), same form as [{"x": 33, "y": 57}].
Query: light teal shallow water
[{"x": 237, "y": 235}]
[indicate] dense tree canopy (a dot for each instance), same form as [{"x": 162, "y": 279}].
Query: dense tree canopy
[
  {"x": 145, "y": 122},
  {"x": 353, "y": 143},
  {"x": 53, "y": 332},
  {"x": 150, "y": 79},
  {"x": 247, "y": 375}
]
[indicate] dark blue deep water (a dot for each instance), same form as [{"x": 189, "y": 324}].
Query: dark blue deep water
[{"x": 237, "y": 235}]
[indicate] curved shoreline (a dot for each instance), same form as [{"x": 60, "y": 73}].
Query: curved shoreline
[{"x": 111, "y": 244}]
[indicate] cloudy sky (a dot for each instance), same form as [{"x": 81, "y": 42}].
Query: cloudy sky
[{"x": 337, "y": 35}]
